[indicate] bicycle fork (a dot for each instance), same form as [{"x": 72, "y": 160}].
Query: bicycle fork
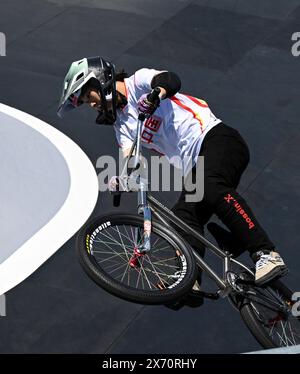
[
  {"x": 142, "y": 239},
  {"x": 144, "y": 208}
]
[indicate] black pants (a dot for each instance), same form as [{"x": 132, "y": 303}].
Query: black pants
[{"x": 226, "y": 156}]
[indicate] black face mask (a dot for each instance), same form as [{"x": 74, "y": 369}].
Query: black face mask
[
  {"x": 122, "y": 101},
  {"x": 107, "y": 117}
]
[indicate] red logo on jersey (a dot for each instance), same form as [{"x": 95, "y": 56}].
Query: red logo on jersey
[{"x": 150, "y": 128}]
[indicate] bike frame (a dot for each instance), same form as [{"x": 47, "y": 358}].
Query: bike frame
[{"x": 147, "y": 205}]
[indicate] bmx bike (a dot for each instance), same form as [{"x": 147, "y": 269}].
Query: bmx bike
[{"x": 143, "y": 259}]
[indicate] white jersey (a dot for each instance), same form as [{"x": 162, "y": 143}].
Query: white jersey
[{"x": 177, "y": 128}]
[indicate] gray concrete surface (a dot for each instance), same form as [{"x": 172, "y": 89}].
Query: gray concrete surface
[
  {"x": 281, "y": 351},
  {"x": 234, "y": 54}
]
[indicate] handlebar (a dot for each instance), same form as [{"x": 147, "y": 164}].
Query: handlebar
[
  {"x": 152, "y": 98},
  {"x": 154, "y": 95}
]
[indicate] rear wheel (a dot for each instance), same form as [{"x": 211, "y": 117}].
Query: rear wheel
[
  {"x": 269, "y": 312},
  {"x": 107, "y": 248},
  {"x": 271, "y": 317}
]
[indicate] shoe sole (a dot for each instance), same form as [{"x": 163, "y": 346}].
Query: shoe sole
[{"x": 277, "y": 272}]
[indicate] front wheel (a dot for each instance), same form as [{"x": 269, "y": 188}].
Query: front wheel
[{"x": 107, "y": 248}]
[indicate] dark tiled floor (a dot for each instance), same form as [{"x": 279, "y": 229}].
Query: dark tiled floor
[
  {"x": 212, "y": 38},
  {"x": 234, "y": 54}
]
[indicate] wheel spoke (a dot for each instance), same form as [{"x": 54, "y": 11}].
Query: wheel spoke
[
  {"x": 113, "y": 250},
  {"x": 282, "y": 326},
  {"x": 108, "y": 236},
  {"x": 287, "y": 339},
  {"x": 155, "y": 271},
  {"x": 270, "y": 307},
  {"x": 112, "y": 266},
  {"x": 150, "y": 284},
  {"x": 119, "y": 267},
  {"x": 125, "y": 272},
  {"x": 292, "y": 333},
  {"x": 108, "y": 258},
  {"x": 123, "y": 245},
  {"x": 162, "y": 262},
  {"x": 118, "y": 231}
]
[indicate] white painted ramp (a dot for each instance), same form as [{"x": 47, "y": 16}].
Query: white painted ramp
[{"x": 48, "y": 189}]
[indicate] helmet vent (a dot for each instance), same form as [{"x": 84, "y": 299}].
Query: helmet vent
[{"x": 79, "y": 76}]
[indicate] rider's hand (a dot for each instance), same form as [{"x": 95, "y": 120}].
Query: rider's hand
[
  {"x": 146, "y": 107},
  {"x": 124, "y": 184},
  {"x": 117, "y": 184},
  {"x": 113, "y": 184}
]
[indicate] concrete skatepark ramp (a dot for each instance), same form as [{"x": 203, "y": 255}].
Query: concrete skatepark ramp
[{"x": 48, "y": 190}]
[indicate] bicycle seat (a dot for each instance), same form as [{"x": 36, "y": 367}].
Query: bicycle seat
[{"x": 225, "y": 239}]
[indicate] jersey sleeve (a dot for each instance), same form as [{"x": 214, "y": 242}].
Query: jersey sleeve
[{"x": 143, "y": 78}]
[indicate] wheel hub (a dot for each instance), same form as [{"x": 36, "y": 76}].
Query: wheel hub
[{"x": 134, "y": 262}]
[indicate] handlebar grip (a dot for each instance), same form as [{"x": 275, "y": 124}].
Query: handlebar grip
[
  {"x": 154, "y": 95},
  {"x": 117, "y": 199}
]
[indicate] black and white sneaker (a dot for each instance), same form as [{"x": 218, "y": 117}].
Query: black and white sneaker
[{"x": 269, "y": 266}]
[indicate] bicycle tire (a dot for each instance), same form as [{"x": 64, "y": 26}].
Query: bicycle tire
[
  {"x": 258, "y": 324},
  {"x": 100, "y": 277}
]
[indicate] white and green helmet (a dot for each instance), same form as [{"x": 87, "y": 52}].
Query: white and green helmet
[{"x": 101, "y": 76}]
